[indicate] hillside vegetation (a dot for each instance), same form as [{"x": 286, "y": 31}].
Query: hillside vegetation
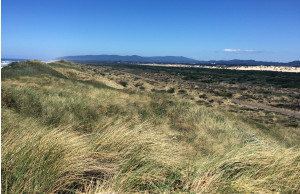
[{"x": 67, "y": 130}]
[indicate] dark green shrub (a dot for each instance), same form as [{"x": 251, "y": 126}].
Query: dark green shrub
[
  {"x": 123, "y": 83},
  {"x": 203, "y": 96},
  {"x": 225, "y": 94},
  {"x": 171, "y": 90},
  {"x": 181, "y": 92}
]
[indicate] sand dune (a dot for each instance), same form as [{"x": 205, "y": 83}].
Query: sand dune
[{"x": 254, "y": 68}]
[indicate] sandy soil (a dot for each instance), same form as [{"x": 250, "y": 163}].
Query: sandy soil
[
  {"x": 267, "y": 68},
  {"x": 256, "y": 68}
]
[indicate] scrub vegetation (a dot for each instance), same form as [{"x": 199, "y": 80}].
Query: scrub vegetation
[{"x": 69, "y": 128}]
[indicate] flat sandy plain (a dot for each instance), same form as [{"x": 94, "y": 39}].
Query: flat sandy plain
[{"x": 255, "y": 68}]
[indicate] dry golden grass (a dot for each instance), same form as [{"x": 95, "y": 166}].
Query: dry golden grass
[
  {"x": 35, "y": 158},
  {"x": 64, "y": 130}
]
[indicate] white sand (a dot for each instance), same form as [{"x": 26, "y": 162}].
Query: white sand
[
  {"x": 256, "y": 68},
  {"x": 267, "y": 68}
]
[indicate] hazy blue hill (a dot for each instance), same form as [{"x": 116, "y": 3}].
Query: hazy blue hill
[
  {"x": 132, "y": 58},
  {"x": 294, "y": 63},
  {"x": 172, "y": 59},
  {"x": 106, "y": 58}
]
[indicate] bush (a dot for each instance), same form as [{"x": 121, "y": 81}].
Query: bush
[
  {"x": 225, "y": 94},
  {"x": 123, "y": 83},
  {"x": 181, "y": 92},
  {"x": 171, "y": 90},
  {"x": 203, "y": 96}
]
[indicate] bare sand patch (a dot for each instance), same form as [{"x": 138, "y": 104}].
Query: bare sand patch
[{"x": 249, "y": 68}]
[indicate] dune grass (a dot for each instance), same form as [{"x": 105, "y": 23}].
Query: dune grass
[{"x": 64, "y": 130}]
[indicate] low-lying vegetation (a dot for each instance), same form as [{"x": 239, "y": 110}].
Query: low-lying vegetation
[
  {"x": 68, "y": 129},
  {"x": 221, "y": 89}
]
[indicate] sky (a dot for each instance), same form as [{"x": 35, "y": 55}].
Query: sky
[{"x": 267, "y": 30}]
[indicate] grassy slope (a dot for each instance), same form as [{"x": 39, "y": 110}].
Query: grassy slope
[{"x": 64, "y": 130}]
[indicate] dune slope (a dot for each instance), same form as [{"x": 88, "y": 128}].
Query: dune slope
[{"x": 67, "y": 130}]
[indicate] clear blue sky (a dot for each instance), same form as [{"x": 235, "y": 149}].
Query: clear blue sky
[{"x": 201, "y": 29}]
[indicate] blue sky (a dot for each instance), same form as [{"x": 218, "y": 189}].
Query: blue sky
[{"x": 201, "y": 29}]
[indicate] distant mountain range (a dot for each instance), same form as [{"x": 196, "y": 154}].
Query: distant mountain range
[
  {"x": 132, "y": 58},
  {"x": 171, "y": 59}
]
